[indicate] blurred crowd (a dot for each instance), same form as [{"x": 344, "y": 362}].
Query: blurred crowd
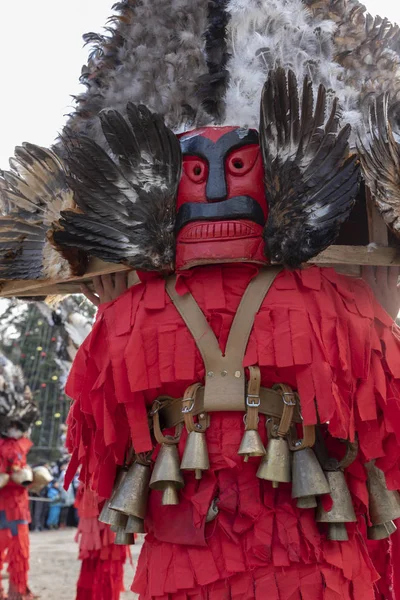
[{"x": 53, "y": 507}]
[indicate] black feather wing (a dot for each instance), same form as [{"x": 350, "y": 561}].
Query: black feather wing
[
  {"x": 22, "y": 244},
  {"x": 380, "y": 160},
  {"x": 311, "y": 180},
  {"x": 127, "y": 201}
]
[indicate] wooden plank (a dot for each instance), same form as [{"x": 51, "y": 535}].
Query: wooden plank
[
  {"x": 19, "y": 287},
  {"x": 359, "y": 255},
  {"x": 377, "y": 229},
  {"x": 346, "y": 259}
]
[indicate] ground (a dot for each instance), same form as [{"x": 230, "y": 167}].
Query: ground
[{"x": 54, "y": 566}]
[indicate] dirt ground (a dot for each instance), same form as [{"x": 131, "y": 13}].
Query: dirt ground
[{"x": 54, "y": 566}]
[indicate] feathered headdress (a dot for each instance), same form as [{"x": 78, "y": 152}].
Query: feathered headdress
[
  {"x": 166, "y": 67},
  {"x": 17, "y": 409}
]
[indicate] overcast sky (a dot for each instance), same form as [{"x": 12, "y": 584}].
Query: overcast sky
[{"x": 41, "y": 56}]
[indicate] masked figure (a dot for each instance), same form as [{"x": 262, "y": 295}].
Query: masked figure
[
  {"x": 238, "y": 405},
  {"x": 17, "y": 413},
  {"x": 243, "y": 415}
]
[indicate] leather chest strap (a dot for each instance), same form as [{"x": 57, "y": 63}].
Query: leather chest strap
[{"x": 224, "y": 373}]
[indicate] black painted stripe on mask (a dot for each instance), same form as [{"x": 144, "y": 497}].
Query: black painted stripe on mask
[
  {"x": 240, "y": 208},
  {"x": 211, "y": 87}
]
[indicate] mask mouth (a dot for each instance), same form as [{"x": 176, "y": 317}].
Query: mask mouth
[
  {"x": 234, "y": 209},
  {"x": 219, "y": 230}
]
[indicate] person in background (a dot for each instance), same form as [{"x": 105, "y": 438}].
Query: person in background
[
  {"x": 67, "y": 497},
  {"x": 53, "y": 518}
]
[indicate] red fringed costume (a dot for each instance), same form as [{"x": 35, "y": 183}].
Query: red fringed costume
[
  {"x": 322, "y": 333},
  {"x": 220, "y": 525},
  {"x": 14, "y": 519},
  {"x": 102, "y": 570}
]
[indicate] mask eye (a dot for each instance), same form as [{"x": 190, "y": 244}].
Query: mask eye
[
  {"x": 242, "y": 160},
  {"x": 195, "y": 168}
]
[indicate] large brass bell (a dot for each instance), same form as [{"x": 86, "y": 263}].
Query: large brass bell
[
  {"x": 275, "y": 466},
  {"x": 4, "y": 479},
  {"x": 122, "y": 538},
  {"x": 195, "y": 456},
  {"x": 166, "y": 474},
  {"x": 342, "y": 510},
  {"x": 384, "y": 505},
  {"x": 131, "y": 495},
  {"x": 118, "y": 520},
  {"x": 134, "y": 525},
  {"x": 380, "y": 532},
  {"x": 107, "y": 515},
  {"x": 308, "y": 479}
]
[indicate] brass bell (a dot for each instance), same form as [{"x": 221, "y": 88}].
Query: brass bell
[
  {"x": 342, "y": 510},
  {"x": 118, "y": 520},
  {"x": 122, "y": 538},
  {"x": 384, "y": 505},
  {"x": 195, "y": 456},
  {"x": 308, "y": 478},
  {"x": 337, "y": 532},
  {"x": 134, "y": 525},
  {"x": 41, "y": 477},
  {"x": 275, "y": 465},
  {"x": 106, "y": 514},
  {"x": 131, "y": 495},
  {"x": 380, "y": 532},
  {"x": 166, "y": 475},
  {"x": 22, "y": 476},
  {"x": 4, "y": 479},
  {"x": 251, "y": 445},
  {"x": 306, "y": 502}
]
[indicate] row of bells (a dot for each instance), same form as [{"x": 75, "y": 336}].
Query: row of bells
[{"x": 126, "y": 510}]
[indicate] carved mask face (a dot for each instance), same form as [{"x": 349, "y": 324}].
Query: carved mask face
[{"x": 221, "y": 205}]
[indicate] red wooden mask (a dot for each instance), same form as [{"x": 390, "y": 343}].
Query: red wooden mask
[{"x": 221, "y": 204}]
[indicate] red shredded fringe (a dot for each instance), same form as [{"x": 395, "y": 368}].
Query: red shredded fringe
[
  {"x": 318, "y": 331},
  {"x": 102, "y": 570}
]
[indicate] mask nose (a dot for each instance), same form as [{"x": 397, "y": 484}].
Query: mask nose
[{"x": 216, "y": 188}]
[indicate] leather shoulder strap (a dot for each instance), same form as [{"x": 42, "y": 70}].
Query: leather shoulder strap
[
  {"x": 224, "y": 377},
  {"x": 248, "y": 308}
]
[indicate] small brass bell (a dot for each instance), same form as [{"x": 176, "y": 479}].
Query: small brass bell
[
  {"x": 134, "y": 525},
  {"x": 4, "y": 479},
  {"x": 251, "y": 445},
  {"x": 381, "y": 532},
  {"x": 306, "y": 502},
  {"x": 275, "y": 465},
  {"x": 308, "y": 478},
  {"x": 131, "y": 495},
  {"x": 22, "y": 476},
  {"x": 337, "y": 532},
  {"x": 166, "y": 475},
  {"x": 122, "y": 538},
  {"x": 41, "y": 477},
  {"x": 342, "y": 510},
  {"x": 195, "y": 456},
  {"x": 118, "y": 520},
  {"x": 384, "y": 504}
]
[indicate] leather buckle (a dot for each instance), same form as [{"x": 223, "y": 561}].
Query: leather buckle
[{"x": 254, "y": 404}]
